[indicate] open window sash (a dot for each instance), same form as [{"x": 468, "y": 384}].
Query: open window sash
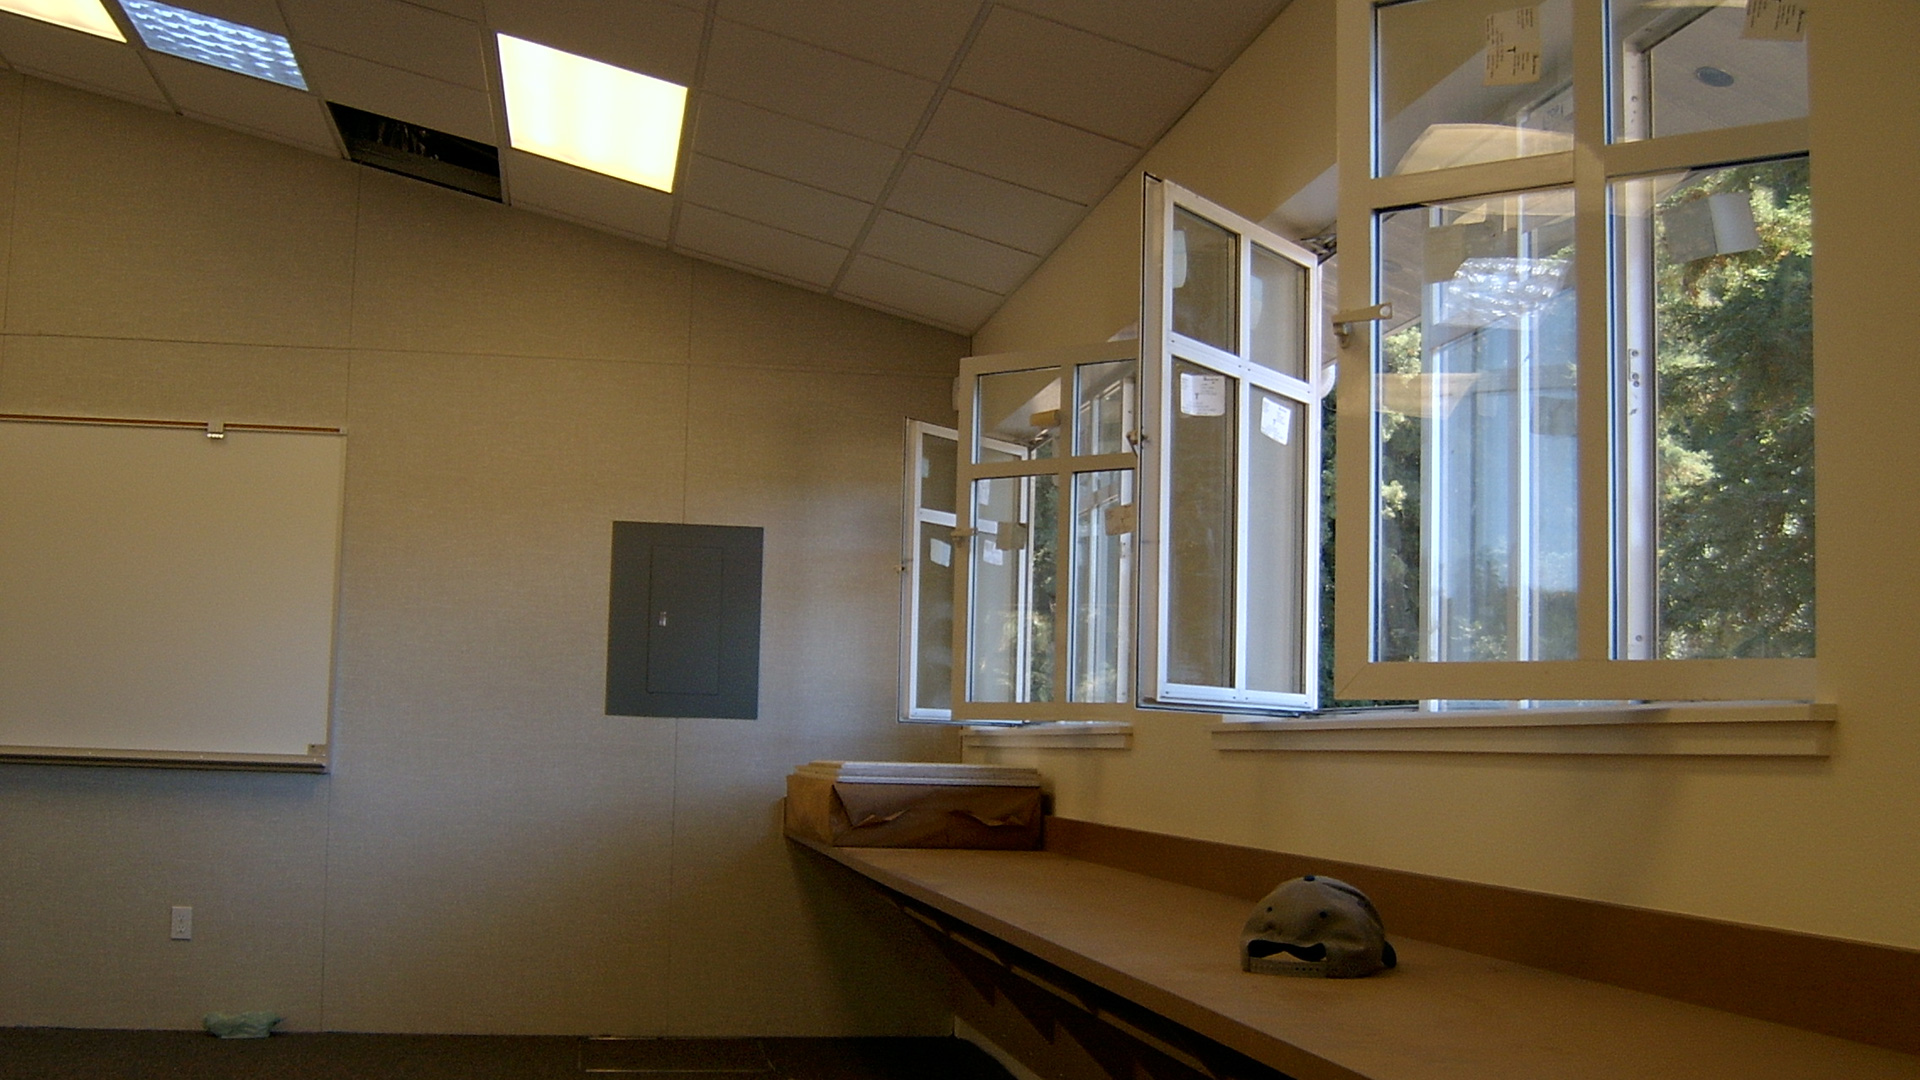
[
  {"x": 1044, "y": 555},
  {"x": 926, "y": 574},
  {"x": 1230, "y": 507},
  {"x": 1499, "y": 475}
]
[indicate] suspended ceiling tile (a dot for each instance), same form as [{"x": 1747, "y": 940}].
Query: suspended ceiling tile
[
  {"x": 1024, "y": 149},
  {"x": 1077, "y": 78},
  {"x": 589, "y": 198},
  {"x": 773, "y": 200},
  {"x": 653, "y": 37},
  {"x": 810, "y": 83},
  {"x": 919, "y": 38},
  {"x": 902, "y": 288},
  {"x": 1205, "y": 35},
  {"x": 795, "y": 149},
  {"x": 252, "y": 105},
  {"x": 465, "y": 9},
  {"x": 1017, "y": 217},
  {"x": 403, "y": 95},
  {"x": 77, "y": 59},
  {"x": 758, "y": 247},
  {"x": 396, "y": 34},
  {"x": 939, "y": 250}
]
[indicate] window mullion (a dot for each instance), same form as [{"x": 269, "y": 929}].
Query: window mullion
[{"x": 1595, "y": 596}]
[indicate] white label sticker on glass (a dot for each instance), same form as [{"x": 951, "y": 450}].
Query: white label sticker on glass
[
  {"x": 990, "y": 552},
  {"x": 1203, "y": 395},
  {"x": 940, "y": 552},
  {"x": 1776, "y": 20},
  {"x": 1513, "y": 47},
  {"x": 1276, "y": 420}
]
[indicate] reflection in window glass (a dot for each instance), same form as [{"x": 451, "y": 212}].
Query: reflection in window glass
[
  {"x": 933, "y": 654},
  {"x": 1013, "y": 570},
  {"x": 1201, "y": 475},
  {"x": 1723, "y": 265},
  {"x": 1103, "y": 527},
  {"x": 1276, "y": 543},
  {"x": 1106, "y": 397},
  {"x": 1683, "y": 67},
  {"x": 1205, "y": 265},
  {"x": 1277, "y": 309},
  {"x": 1467, "y": 81},
  {"x": 1019, "y": 410},
  {"x": 1475, "y": 432},
  {"x": 938, "y": 459}
]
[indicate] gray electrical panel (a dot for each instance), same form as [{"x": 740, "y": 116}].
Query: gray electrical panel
[{"x": 683, "y": 627}]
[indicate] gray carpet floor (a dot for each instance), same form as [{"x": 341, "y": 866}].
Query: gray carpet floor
[{"x": 69, "y": 1054}]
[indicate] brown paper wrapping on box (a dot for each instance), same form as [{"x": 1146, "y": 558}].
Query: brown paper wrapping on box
[{"x": 913, "y": 815}]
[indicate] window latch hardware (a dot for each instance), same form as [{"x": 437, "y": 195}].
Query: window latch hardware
[{"x": 1343, "y": 320}]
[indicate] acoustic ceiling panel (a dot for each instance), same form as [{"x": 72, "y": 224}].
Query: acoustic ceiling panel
[
  {"x": 815, "y": 84},
  {"x": 774, "y": 200},
  {"x": 1074, "y": 77},
  {"x": 919, "y": 156}
]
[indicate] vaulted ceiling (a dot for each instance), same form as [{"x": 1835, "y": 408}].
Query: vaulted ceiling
[{"x": 917, "y": 156}]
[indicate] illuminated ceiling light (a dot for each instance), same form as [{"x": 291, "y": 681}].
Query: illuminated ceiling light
[
  {"x": 86, "y": 16},
  {"x": 594, "y": 115},
  {"x": 215, "y": 42}
]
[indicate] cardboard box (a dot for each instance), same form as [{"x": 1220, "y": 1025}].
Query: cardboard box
[{"x": 914, "y": 804}]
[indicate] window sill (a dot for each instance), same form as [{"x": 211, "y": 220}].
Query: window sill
[
  {"x": 1691, "y": 729},
  {"x": 1063, "y": 735}
]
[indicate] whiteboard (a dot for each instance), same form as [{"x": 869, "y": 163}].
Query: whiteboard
[{"x": 167, "y": 597}]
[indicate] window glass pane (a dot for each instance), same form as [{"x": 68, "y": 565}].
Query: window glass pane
[
  {"x": 1012, "y": 565},
  {"x": 933, "y": 615},
  {"x": 1683, "y": 67},
  {"x": 1723, "y": 294},
  {"x": 1201, "y": 481},
  {"x": 1465, "y": 81},
  {"x": 937, "y": 464},
  {"x": 1277, "y": 307},
  {"x": 1476, "y": 432},
  {"x": 1276, "y": 546},
  {"x": 1103, "y": 527},
  {"x": 1106, "y": 396},
  {"x": 1205, "y": 266},
  {"x": 1019, "y": 414}
]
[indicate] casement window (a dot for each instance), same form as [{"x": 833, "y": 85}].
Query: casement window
[{"x": 1582, "y": 450}]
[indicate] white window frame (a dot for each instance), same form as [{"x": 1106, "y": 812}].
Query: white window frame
[
  {"x": 1063, "y": 466},
  {"x": 1161, "y": 346},
  {"x": 912, "y": 565},
  {"x": 1601, "y": 671}
]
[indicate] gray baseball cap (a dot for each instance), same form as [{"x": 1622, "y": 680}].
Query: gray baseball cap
[{"x": 1315, "y": 926}]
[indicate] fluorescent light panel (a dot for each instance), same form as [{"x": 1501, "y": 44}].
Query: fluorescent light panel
[
  {"x": 215, "y": 42},
  {"x": 86, "y": 16},
  {"x": 593, "y": 115}
]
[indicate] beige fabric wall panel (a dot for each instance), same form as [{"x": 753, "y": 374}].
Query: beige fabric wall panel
[
  {"x": 491, "y": 853},
  {"x": 507, "y": 283},
  {"x": 132, "y": 223},
  {"x": 93, "y": 858},
  {"x": 173, "y": 380},
  {"x": 788, "y": 456}
]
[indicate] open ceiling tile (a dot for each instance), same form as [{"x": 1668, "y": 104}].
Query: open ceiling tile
[{"x": 389, "y": 91}]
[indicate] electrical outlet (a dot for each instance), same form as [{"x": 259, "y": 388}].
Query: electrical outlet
[{"x": 182, "y": 924}]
